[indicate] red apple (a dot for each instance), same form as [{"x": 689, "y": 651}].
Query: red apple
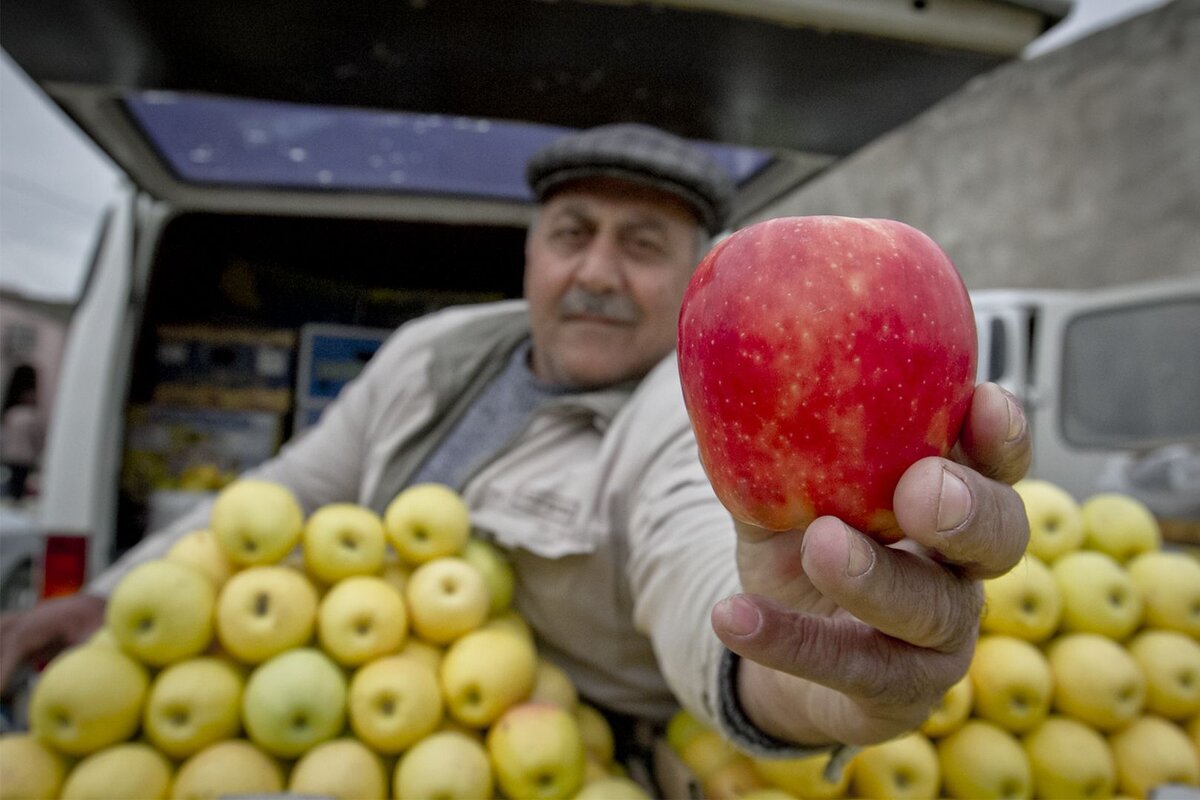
[{"x": 820, "y": 357}]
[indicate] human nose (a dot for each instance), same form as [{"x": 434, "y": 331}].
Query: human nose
[{"x": 600, "y": 266}]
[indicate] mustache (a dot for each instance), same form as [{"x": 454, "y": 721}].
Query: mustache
[{"x": 613, "y": 307}]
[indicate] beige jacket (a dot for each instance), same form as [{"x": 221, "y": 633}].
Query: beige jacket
[{"x": 620, "y": 547}]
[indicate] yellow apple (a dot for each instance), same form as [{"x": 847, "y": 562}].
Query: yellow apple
[
  {"x": 228, "y": 768},
  {"x": 361, "y": 618},
  {"x": 192, "y": 704},
  {"x": 1119, "y": 525},
  {"x": 732, "y": 780},
  {"x": 1011, "y": 682},
  {"x": 427, "y": 521},
  {"x": 613, "y": 787},
  {"x": 552, "y": 684},
  {"x": 446, "y": 765},
  {"x": 1023, "y": 602},
  {"x": 294, "y": 701},
  {"x": 952, "y": 711},
  {"x": 343, "y": 539},
  {"x": 484, "y": 673},
  {"x": 510, "y": 620},
  {"x": 162, "y": 612},
  {"x": 29, "y": 769},
  {"x": 1070, "y": 759},
  {"x": 446, "y": 597},
  {"x": 904, "y": 767},
  {"x": 1170, "y": 660},
  {"x": 1192, "y": 727},
  {"x": 263, "y": 611},
  {"x": 256, "y": 522},
  {"x": 342, "y": 768},
  {"x": 395, "y": 571},
  {"x": 200, "y": 550},
  {"x": 423, "y": 651},
  {"x": 1151, "y": 752},
  {"x": 1055, "y": 521},
  {"x": 128, "y": 769},
  {"x": 88, "y": 698},
  {"x": 597, "y": 733},
  {"x": 707, "y": 752},
  {"x": 1096, "y": 680},
  {"x": 768, "y": 793},
  {"x": 682, "y": 728},
  {"x": 1170, "y": 583},
  {"x": 537, "y": 752},
  {"x": 496, "y": 570},
  {"x": 394, "y": 702},
  {"x": 1098, "y": 595},
  {"x": 804, "y": 777},
  {"x": 982, "y": 760}
]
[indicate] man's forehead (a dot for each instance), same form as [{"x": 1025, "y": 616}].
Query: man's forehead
[{"x": 631, "y": 201}]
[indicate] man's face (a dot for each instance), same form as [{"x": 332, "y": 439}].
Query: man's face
[{"x": 606, "y": 265}]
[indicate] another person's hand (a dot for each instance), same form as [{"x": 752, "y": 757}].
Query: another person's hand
[
  {"x": 45, "y": 630},
  {"x": 846, "y": 640}
]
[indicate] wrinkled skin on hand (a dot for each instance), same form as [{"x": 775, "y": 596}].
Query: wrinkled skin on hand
[
  {"x": 42, "y": 632},
  {"x": 847, "y": 640}
]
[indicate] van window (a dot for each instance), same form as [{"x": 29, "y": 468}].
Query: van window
[
  {"x": 997, "y": 350},
  {"x": 1131, "y": 376}
]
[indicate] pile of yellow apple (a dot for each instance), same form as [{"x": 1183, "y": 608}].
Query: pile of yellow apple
[
  {"x": 1085, "y": 682},
  {"x": 346, "y": 655}
]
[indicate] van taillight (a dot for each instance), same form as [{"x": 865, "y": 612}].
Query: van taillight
[{"x": 65, "y": 565}]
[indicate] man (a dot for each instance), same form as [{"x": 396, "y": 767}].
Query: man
[{"x": 560, "y": 420}]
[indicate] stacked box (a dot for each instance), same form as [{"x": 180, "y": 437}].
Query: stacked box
[
  {"x": 224, "y": 367},
  {"x": 329, "y": 357}
]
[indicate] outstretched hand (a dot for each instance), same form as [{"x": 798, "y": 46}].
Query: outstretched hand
[
  {"x": 45, "y": 630},
  {"x": 847, "y": 640}
]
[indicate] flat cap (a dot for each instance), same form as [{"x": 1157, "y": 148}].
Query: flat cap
[{"x": 641, "y": 154}]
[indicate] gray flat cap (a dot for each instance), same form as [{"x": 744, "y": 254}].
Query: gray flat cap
[{"x": 641, "y": 154}]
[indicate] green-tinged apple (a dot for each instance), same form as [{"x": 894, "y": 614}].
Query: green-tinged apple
[
  {"x": 682, "y": 727},
  {"x": 1055, "y": 520},
  {"x": 951, "y": 711},
  {"x": 537, "y": 752},
  {"x": 597, "y": 733},
  {"x": 614, "y": 787},
  {"x": 263, "y": 611},
  {"x": 1098, "y": 595},
  {"x": 1152, "y": 752},
  {"x": 446, "y": 597},
  {"x": 1096, "y": 680},
  {"x": 1023, "y": 602},
  {"x": 1169, "y": 581},
  {"x": 361, "y": 618},
  {"x": 231, "y": 767},
  {"x": 733, "y": 780},
  {"x": 1011, "y": 682},
  {"x": 162, "y": 612},
  {"x": 486, "y": 672},
  {"x": 496, "y": 569},
  {"x": 395, "y": 571},
  {"x": 1170, "y": 660},
  {"x": 707, "y": 752},
  {"x": 510, "y": 620},
  {"x": 342, "y": 768},
  {"x": 1070, "y": 759},
  {"x": 29, "y": 769},
  {"x": 820, "y": 357},
  {"x": 192, "y": 704},
  {"x": 904, "y": 767},
  {"x": 1120, "y": 525},
  {"x": 200, "y": 550},
  {"x": 806, "y": 776},
  {"x": 88, "y": 698},
  {"x": 256, "y": 521},
  {"x": 343, "y": 539},
  {"x": 294, "y": 701},
  {"x": 552, "y": 684},
  {"x": 125, "y": 770},
  {"x": 768, "y": 793},
  {"x": 427, "y": 521},
  {"x": 394, "y": 702},
  {"x": 446, "y": 765},
  {"x": 425, "y": 652},
  {"x": 982, "y": 760}
]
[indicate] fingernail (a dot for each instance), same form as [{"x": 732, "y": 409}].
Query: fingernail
[
  {"x": 860, "y": 556},
  {"x": 738, "y": 616},
  {"x": 1016, "y": 420},
  {"x": 954, "y": 503}
]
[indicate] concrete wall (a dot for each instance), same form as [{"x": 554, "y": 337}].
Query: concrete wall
[{"x": 1076, "y": 169}]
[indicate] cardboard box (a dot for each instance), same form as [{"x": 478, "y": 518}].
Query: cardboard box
[
  {"x": 329, "y": 357},
  {"x": 224, "y": 367}
]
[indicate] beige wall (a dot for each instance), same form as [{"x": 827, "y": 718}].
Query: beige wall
[{"x": 1080, "y": 168}]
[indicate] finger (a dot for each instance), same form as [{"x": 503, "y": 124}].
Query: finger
[
  {"x": 975, "y": 523},
  {"x": 995, "y": 436},
  {"x": 903, "y": 594},
  {"x": 840, "y": 653}
]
